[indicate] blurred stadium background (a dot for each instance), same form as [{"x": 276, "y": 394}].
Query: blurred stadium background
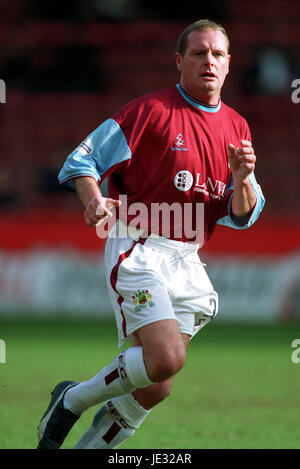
[{"x": 67, "y": 67}]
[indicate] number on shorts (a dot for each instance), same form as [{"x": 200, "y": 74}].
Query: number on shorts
[{"x": 213, "y": 302}]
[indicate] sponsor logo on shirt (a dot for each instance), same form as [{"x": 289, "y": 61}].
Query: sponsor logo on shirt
[
  {"x": 214, "y": 188},
  {"x": 183, "y": 180},
  {"x": 211, "y": 187}
]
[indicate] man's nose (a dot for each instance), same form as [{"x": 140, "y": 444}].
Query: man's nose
[{"x": 209, "y": 58}]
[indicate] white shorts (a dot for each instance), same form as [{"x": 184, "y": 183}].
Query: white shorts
[{"x": 156, "y": 278}]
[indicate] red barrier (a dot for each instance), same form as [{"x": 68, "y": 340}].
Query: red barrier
[{"x": 53, "y": 230}]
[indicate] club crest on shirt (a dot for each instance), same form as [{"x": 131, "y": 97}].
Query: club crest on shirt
[{"x": 142, "y": 299}]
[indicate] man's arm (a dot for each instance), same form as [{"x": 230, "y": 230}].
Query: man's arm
[
  {"x": 96, "y": 206},
  {"x": 242, "y": 164}
]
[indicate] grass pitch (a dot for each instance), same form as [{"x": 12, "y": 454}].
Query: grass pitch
[{"x": 239, "y": 388}]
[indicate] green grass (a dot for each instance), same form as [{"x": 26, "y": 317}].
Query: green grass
[{"x": 239, "y": 388}]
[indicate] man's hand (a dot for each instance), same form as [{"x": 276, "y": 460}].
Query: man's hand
[
  {"x": 96, "y": 206},
  {"x": 242, "y": 163},
  {"x": 97, "y": 209},
  {"x": 242, "y": 160}
]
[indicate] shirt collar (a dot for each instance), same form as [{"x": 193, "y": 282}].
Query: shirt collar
[{"x": 194, "y": 102}]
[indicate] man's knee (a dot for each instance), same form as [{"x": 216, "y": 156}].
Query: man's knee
[
  {"x": 166, "y": 363},
  {"x": 163, "y": 348},
  {"x": 153, "y": 394}
]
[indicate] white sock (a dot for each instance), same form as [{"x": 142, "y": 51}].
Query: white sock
[
  {"x": 113, "y": 424},
  {"x": 126, "y": 373},
  {"x": 130, "y": 409}
]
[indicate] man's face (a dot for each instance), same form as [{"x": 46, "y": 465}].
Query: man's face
[{"x": 204, "y": 65}]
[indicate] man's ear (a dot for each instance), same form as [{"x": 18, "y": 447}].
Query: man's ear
[
  {"x": 178, "y": 61},
  {"x": 229, "y": 58}
]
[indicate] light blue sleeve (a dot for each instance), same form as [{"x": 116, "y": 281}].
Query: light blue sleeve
[
  {"x": 260, "y": 202},
  {"x": 103, "y": 148}
]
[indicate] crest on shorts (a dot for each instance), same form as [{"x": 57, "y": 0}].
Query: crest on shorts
[{"x": 142, "y": 299}]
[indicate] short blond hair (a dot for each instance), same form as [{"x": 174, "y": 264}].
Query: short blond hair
[{"x": 200, "y": 25}]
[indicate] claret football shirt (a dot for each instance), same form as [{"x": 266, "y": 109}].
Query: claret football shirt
[{"x": 166, "y": 150}]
